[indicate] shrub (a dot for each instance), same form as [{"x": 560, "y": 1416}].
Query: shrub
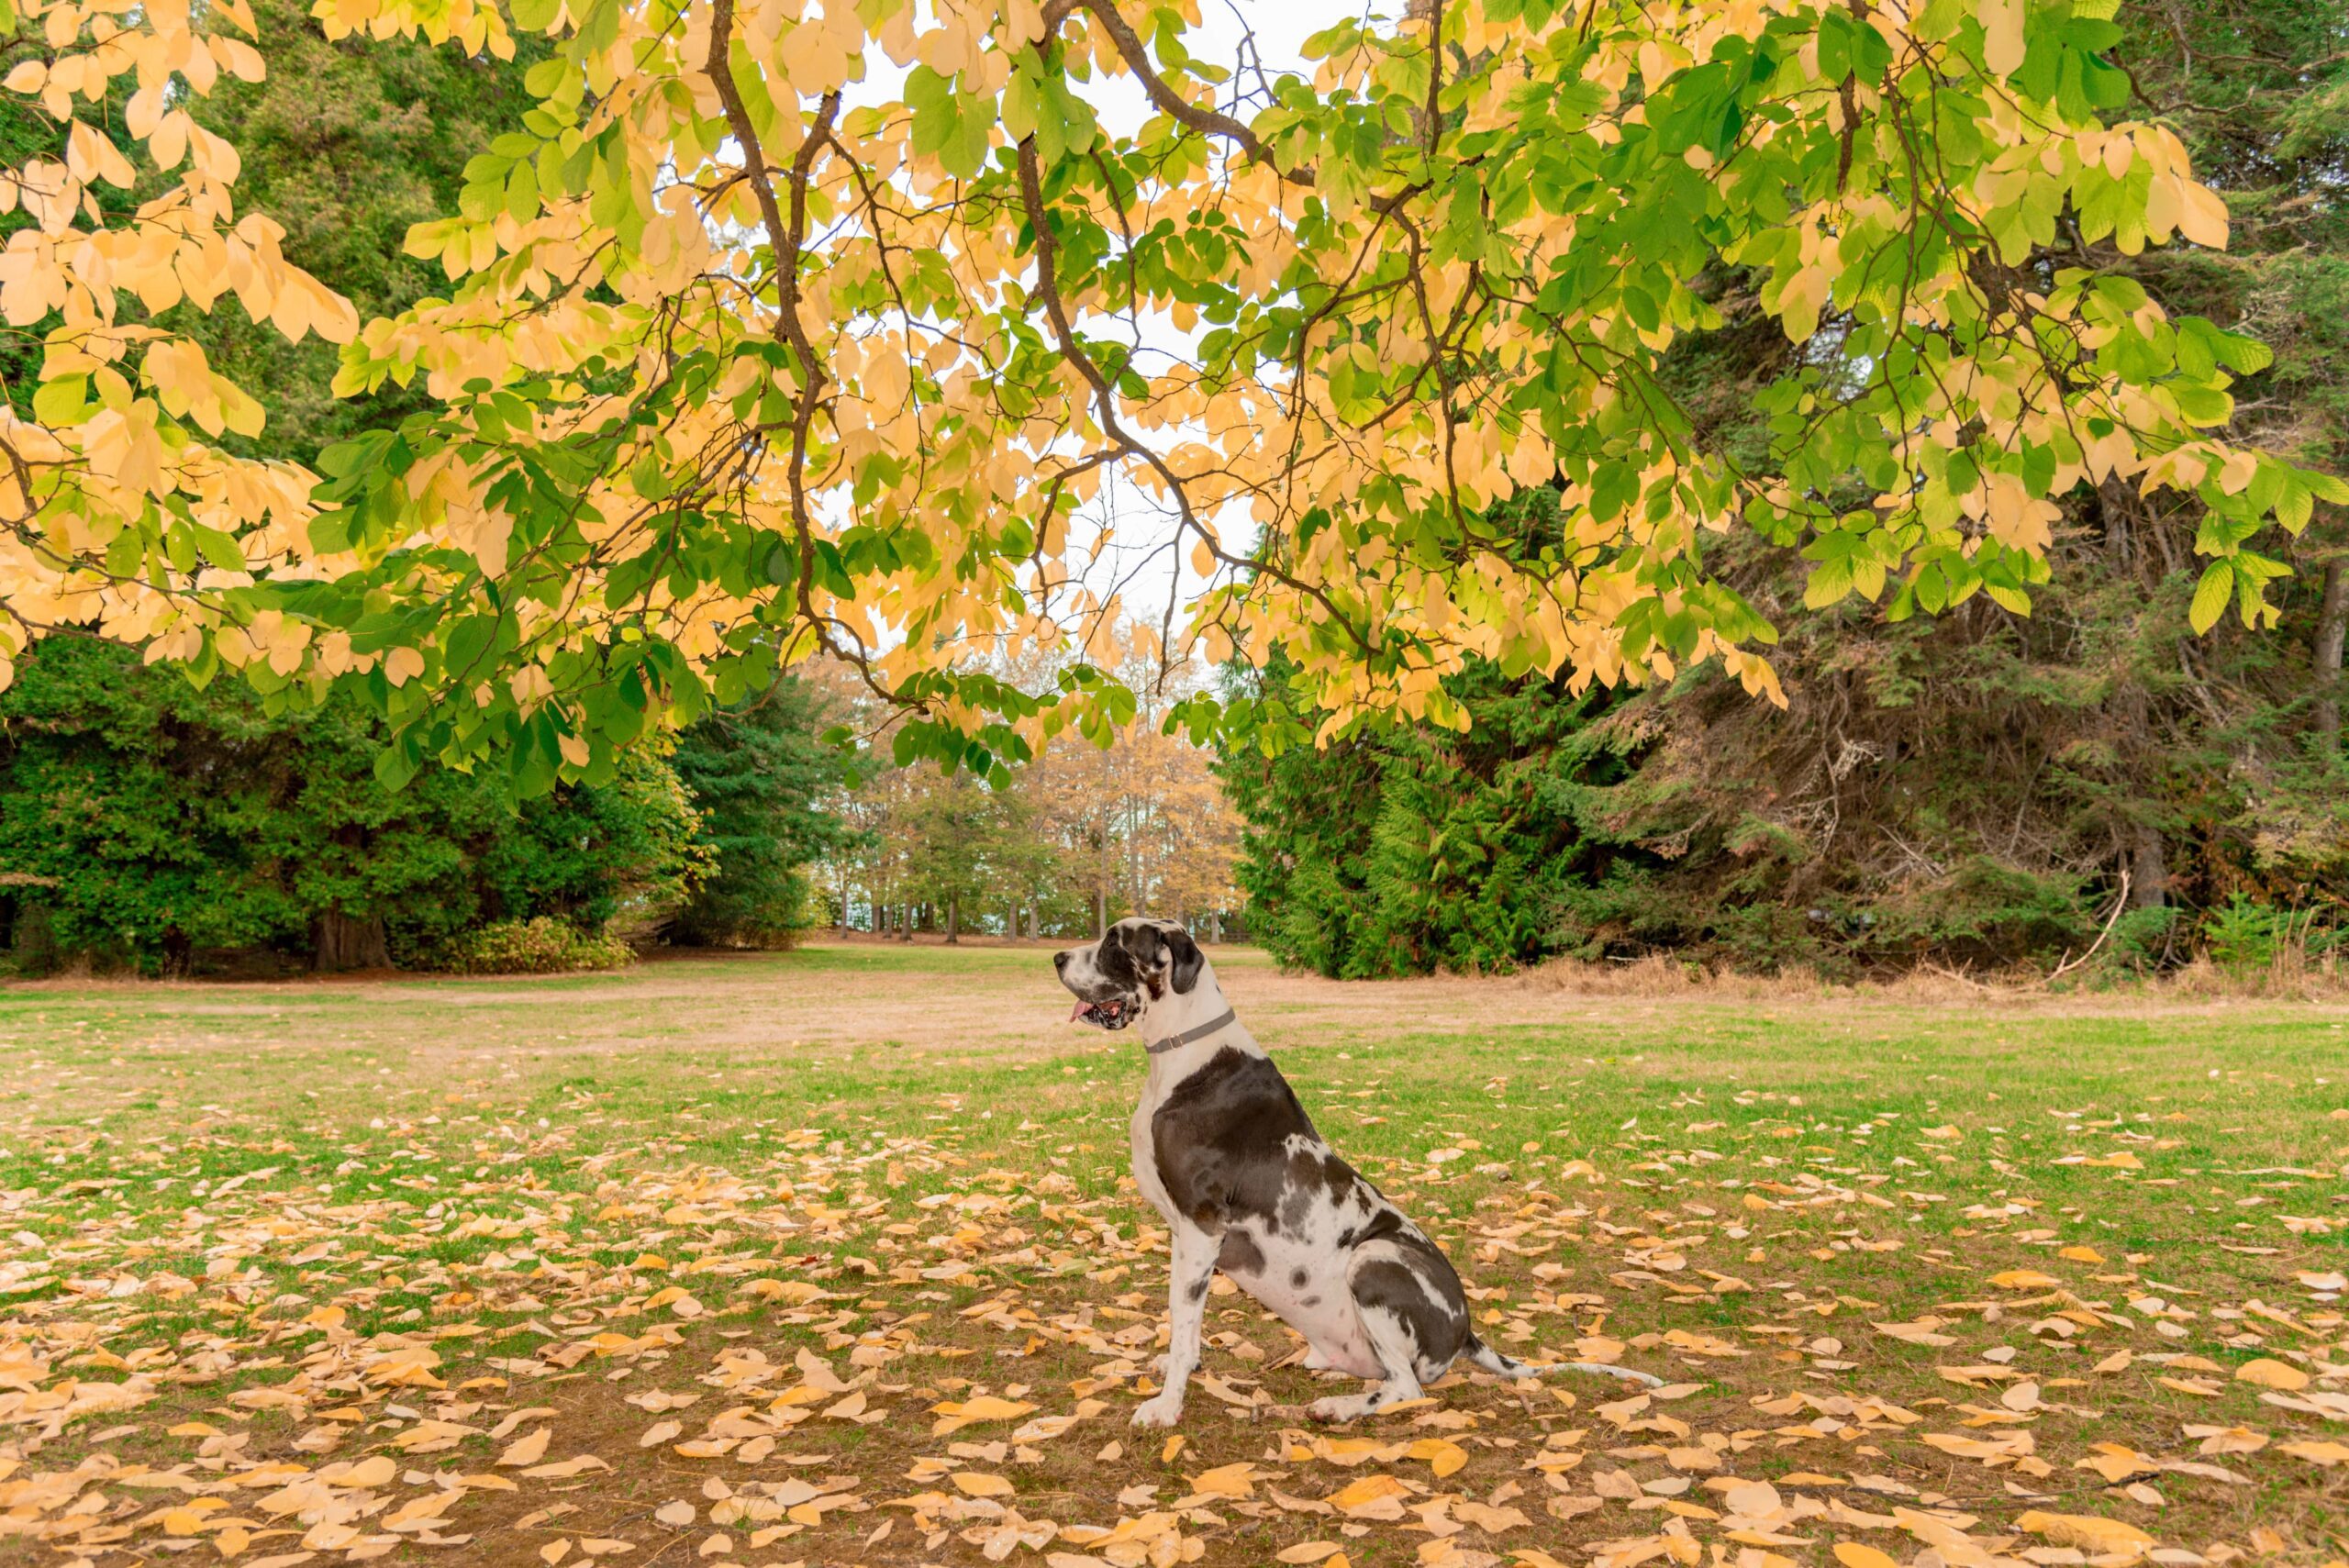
[
  {"x": 2142, "y": 942},
  {"x": 2244, "y": 936},
  {"x": 1397, "y": 851},
  {"x": 148, "y": 825},
  {"x": 541, "y": 945}
]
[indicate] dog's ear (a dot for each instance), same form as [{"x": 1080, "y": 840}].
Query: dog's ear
[{"x": 1186, "y": 956}]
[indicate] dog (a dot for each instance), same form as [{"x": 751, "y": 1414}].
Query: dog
[{"x": 1224, "y": 1151}]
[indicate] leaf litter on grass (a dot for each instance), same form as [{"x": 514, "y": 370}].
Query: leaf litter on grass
[{"x": 897, "y": 1349}]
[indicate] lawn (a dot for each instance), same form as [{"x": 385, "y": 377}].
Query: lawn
[{"x": 831, "y": 1257}]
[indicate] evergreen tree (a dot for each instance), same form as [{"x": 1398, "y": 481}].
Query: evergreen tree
[
  {"x": 346, "y": 145},
  {"x": 759, "y": 777}
]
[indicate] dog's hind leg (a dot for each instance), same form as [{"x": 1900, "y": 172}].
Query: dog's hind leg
[
  {"x": 1397, "y": 1317},
  {"x": 1392, "y": 1342},
  {"x": 1186, "y": 1294}
]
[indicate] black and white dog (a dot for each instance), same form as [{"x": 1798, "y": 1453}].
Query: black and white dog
[{"x": 1222, "y": 1149}]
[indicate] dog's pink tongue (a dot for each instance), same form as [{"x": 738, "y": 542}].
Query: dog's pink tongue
[{"x": 1076, "y": 1012}]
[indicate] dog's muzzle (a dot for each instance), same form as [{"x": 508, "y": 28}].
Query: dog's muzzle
[
  {"x": 1115, "y": 1013},
  {"x": 1101, "y": 1001}
]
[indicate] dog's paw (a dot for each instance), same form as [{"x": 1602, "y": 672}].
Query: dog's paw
[
  {"x": 1336, "y": 1410},
  {"x": 1162, "y": 1411}
]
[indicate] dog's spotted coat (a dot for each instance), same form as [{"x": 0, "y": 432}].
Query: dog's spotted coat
[{"x": 1224, "y": 1151}]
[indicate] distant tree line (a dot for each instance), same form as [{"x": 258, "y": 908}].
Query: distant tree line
[
  {"x": 148, "y": 825},
  {"x": 1081, "y": 837}
]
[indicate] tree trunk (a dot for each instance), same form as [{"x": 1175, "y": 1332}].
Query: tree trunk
[
  {"x": 953, "y": 920},
  {"x": 1100, "y": 913},
  {"x": 1215, "y": 926},
  {"x": 2148, "y": 871},
  {"x": 2134, "y": 739},
  {"x": 343, "y": 941},
  {"x": 2332, "y": 625}
]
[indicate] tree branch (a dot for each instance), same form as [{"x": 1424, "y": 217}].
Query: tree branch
[{"x": 1206, "y": 122}]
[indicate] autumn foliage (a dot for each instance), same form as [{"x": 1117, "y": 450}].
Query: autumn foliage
[{"x": 752, "y": 351}]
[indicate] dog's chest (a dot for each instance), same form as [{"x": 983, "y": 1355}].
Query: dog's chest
[{"x": 1145, "y": 1156}]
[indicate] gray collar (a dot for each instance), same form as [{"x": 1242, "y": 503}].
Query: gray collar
[{"x": 1158, "y": 1046}]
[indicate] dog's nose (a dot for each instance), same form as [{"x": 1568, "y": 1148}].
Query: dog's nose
[{"x": 1060, "y": 960}]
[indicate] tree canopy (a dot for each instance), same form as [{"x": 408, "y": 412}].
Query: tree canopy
[
  {"x": 146, "y": 824},
  {"x": 752, "y": 350},
  {"x": 2094, "y": 784}
]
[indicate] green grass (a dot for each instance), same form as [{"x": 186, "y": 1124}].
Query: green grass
[{"x": 1771, "y": 1174}]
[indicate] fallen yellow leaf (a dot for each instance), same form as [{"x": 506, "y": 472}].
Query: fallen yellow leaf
[
  {"x": 1366, "y": 1493},
  {"x": 527, "y": 1449},
  {"x": 2269, "y": 1372},
  {"x": 1443, "y": 1456},
  {"x": 374, "y": 1470},
  {"x": 953, "y": 1416},
  {"x": 2024, "y": 1279},
  {"x": 1852, "y": 1554},
  {"x": 978, "y": 1484},
  {"x": 1226, "y": 1481},
  {"x": 2325, "y": 1453},
  {"x": 2089, "y": 1532}
]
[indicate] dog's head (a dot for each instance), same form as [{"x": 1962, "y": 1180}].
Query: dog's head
[{"x": 1140, "y": 963}]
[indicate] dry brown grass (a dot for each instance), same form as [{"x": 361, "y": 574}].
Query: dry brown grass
[{"x": 2292, "y": 976}]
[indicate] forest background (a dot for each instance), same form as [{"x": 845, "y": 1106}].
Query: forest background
[{"x": 1972, "y": 790}]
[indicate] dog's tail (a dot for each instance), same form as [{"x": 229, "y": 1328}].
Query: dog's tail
[{"x": 1492, "y": 1361}]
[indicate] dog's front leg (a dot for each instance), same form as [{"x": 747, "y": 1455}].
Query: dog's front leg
[{"x": 1186, "y": 1296}]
